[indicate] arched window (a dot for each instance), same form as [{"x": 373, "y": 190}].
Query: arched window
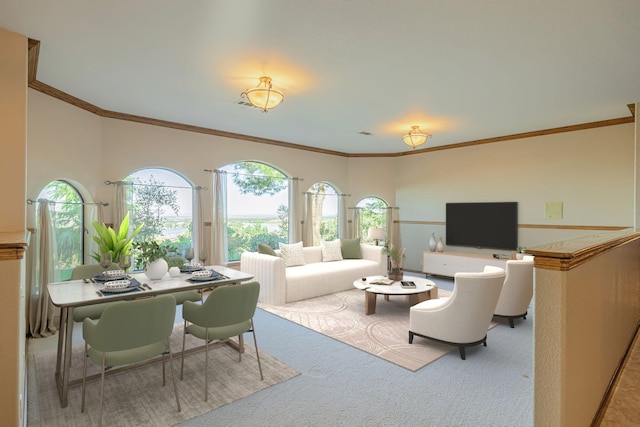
[
  {"x": 67, "y": 218},
  {"x": 257, "y": 207},
  {"x": 373, "y": 213},
  {"x": 162, "y": 201},
  {"x": 325, "y": 212}
]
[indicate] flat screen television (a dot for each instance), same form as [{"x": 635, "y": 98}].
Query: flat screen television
[{"x": 491, "y": 225}]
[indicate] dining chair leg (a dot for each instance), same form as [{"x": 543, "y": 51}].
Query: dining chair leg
[
  {"x": 101, "y": 390},
  {"x": 173, "y": 377},
  {"x": 163, "y": 373},
  {"x": 255, "y": 343},
  {"x": 206, "y": 367},
  {"x": 240, "y": 347},
  {"x": 184, "y": 335},
  {"x": 84, "y": 377}
]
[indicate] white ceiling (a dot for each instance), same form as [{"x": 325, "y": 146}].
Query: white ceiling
[{"x": 463, "y": 70}]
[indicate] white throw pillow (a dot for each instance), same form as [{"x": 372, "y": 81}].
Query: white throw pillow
[
  {"x": 331, "y": 251},
  {"x": 292, "y": 254}
]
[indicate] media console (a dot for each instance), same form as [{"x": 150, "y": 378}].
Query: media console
[{"x": 450, "y": 263}]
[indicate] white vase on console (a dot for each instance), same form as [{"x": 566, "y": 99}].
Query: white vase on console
[
  {"x": 440, "y": 246},
  {"x": 157, "y": 269},
  {"x": 432, "y": 242}
]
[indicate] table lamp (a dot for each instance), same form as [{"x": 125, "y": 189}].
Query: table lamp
[{"x": 376, "y": 234}]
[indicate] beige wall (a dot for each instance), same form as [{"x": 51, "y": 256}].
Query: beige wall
[
  {"x": 580, "y": 169},
  {"x": 13, "y": 109}
]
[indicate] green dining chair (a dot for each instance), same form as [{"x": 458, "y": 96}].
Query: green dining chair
[
  {"x": 86, "y": 272},
  {"x": 227, "y": 312},
  {"x": 129, "y": 332}
]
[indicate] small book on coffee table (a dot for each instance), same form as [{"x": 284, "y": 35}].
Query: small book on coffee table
[
  {"x": 381, "y": 281},
  {"x": 407, "y": 284}
]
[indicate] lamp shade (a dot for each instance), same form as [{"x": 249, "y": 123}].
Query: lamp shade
[
  {"x": 264, "y": 96},
  {"x": 415, "y": 137},
  {"x": 376, "y": 233}
]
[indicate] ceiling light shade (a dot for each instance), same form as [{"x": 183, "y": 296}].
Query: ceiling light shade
[
  {"x": 415, "y": 137},
  {"x": 264, "y": 96}
]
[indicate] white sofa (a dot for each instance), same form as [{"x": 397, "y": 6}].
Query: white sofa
[{"x": 280, "y": 285}]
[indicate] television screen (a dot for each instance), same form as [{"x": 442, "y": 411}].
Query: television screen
[{"x": 491, "y": 225}]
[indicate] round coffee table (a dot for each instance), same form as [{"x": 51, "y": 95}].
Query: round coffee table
[{"x": 425, "y": 289}]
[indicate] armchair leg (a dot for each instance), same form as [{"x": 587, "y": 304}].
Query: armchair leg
[
  {"x": 410, "y": 337},
  {"x": 462, "y": 352},
  {"x": 511, "y": 322}
]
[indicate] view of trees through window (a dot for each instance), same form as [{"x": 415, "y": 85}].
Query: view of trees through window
[
  {"x": 373, "y": 213},
  {"x": 68, "y": 221},
  {"x": 325, "y": 212},
  {"x": 257, "y": 207},
  {"x": 162, "y": 201}
]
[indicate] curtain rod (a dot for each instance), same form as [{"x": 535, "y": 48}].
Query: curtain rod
[
  {"x": 388, "y": 207},
  {"x": 293, "y": 178},
  {"x": 31, "y": 202},
  {"x": 328, "y": 194},
  {"x": 197, "y": 187}
]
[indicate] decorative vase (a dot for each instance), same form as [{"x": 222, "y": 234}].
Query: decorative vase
[
  {"x": 157, "y": 269},
  {"x": 395, "y": 274},
  {"x": 432, "y": 242},
  {"x": 440, "y": 245}
]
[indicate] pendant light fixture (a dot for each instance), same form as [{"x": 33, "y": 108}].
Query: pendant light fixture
[
  {"x": 264, "y": 96},
  {"x": 415, "y": 137}
]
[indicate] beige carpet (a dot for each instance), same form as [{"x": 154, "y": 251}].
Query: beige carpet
[
  {"x": 384, "y": 334},
  {"x": 136, "y": 397}
]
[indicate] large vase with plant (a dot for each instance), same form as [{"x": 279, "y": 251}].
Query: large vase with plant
[
  {"x": 396, "y": 261},
  {"x": 151, "y": 256},
  {"x": 109, "y": 242}
]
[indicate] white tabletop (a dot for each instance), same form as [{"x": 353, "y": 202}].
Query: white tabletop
[
  {"x": 422, "y": 285},
  {"x": 74, "y": 293}
]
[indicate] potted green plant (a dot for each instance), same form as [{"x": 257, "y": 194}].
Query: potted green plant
[
  {"x": 151, "y": 256},
  {"x": 396, "y": 259},
  {"x": 109, "y": 241}
]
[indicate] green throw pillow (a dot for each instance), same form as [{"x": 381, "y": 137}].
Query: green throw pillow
[
  {"x": 351, "y": 248},
  {"x": 263, "y": 248}
]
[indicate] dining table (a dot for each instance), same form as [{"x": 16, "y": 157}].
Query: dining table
[{"x": 71, "y": 294}]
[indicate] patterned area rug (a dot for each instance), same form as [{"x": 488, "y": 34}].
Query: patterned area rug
[
  {"x": 384, "y": 334},
  {"x": 136, "y": 397}
]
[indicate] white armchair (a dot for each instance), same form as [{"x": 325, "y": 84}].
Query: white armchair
[
  {"x": 517, "y": 290},
  {"x": 463, "y": 318}
]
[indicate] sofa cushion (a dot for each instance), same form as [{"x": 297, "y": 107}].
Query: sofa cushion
[
  {"x": 351, "y": 248},
  {"x": 292, "y": 254},
  {"x": 331, "y": 251},
  {"x": 263, "y": 248}
]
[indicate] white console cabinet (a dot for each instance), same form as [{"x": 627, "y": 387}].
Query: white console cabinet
[{"x": 450, "y": 263}]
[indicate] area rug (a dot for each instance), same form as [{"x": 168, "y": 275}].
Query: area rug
[
  {"x": 384, "y": 334},
  {"x": 136, "y": 397}
]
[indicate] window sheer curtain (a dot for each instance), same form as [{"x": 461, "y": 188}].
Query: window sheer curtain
[
  {"x": 295, "y": 218},
  {"x": 307, "y": 227},
  {"x": 120, "y": 203},
  {"x": 41, "y": 271},
  {"x": 343, "y": 221},
  {"x": 93, "y": 212},
  {"x": 355, "y": 224},
  {"x": 393, "y": 226},
  {"x": 218, "y": 235},
  {"x": 197, "y": 233}
]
